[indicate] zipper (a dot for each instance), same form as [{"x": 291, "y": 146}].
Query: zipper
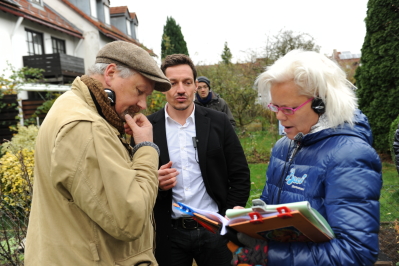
[{"x": 282, "y": 178}]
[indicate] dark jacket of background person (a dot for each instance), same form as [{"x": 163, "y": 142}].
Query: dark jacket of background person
[
  {"x": 396, "y": 148},
  {"x": 223, "y": 166},
  {"x": 343, "y": 183},
  {"x": 218, "y": 104}
]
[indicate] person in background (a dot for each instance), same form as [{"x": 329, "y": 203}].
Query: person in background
[
  {"x": 325, "y": 158},
  {"x": 94, "y": 194},
  {"x": 202, "y": 165},
  {"x": 396, "y": 148},
  {"x": 208, "y": 98}
]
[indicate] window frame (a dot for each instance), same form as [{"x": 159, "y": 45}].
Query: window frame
[
  {"x": 37, "y": 2},
  {"x": 33, "y": 48},
  {"x": 93, "y": 8},
  {"x": 107, "y": 15},
  {"x": 56, "y": 43},
  {"x": 128, "y": 27}
]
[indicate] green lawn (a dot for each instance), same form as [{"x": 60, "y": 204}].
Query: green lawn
[
  {"x": 389, "y": 193},
  {"x": 257, "y": 147}
]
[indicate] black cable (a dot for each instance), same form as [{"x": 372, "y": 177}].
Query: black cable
[{"x": 195, "y": 141}]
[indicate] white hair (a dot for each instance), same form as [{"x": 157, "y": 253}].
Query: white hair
[
  {"x": 99, "y": 68},
  {"x": 316, "y": 76}
]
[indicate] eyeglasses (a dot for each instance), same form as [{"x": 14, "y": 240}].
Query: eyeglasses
[
  {"x": 203, "y": 87},
  {"x": 286, "y": 110}
]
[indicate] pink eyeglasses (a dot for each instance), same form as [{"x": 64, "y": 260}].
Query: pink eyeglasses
[{"x": 286, "y": 110}]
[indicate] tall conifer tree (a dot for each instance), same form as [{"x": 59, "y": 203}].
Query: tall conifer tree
[
  {"x": 377, "y": 78},
  {"x": 172, "y": 39},
  {"x": 226, "y": 55}
]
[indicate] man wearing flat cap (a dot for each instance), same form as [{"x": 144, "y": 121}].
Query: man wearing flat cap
[
  {"x": 210, "y": 99},
  {"x": 93, "y": 193}
]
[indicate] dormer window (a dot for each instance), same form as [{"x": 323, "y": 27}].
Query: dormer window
[
  {"x": 107, "y": 15},
  {"x": 37, "y": 2},
  {"x": 128, "y": 27},
  {"x": 93, "y": 8},
  {"x": 136, "y": 32}
]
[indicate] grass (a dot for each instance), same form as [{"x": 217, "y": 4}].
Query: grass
[
  {"x": 389, "y": 193},
  {"x": 257, "y": 147}
]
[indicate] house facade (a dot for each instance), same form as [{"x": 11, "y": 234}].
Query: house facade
[
  {"x": 60, "y": 36},
  {"x": 348, "y": 62}
]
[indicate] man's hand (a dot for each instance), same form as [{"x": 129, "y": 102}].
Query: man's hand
[
  {"x": 140, "y": 128},
  {"x": 128, "y": 130},
  {"x": 167, "y": 176}
]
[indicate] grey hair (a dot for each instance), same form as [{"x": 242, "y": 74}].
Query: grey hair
[
  {"x": 99, "y": 68},
  {"x": 316, "y": 76}
]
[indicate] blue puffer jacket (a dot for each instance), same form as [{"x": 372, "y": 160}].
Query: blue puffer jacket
[{"x": 339, "y": 173}]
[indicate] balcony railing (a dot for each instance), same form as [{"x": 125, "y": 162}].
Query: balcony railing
[{"x": 59, "y": 68}]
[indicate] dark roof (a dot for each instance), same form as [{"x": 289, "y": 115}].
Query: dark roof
[{"x": 46, "y": 17}]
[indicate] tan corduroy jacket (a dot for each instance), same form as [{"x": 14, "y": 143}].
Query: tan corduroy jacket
[{"x": 92, "y": 204}]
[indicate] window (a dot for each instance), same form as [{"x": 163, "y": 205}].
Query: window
[
  {"x": 107, "y": 15},
  {"x": 35, "y": 42},
  {"x": 93, "y": 8},
  {"x": 129, "y": 29},
  {"x": 136, "y": 31},
  {"x": 58, "y": 46},
  {"x": 38, "y": 2}
]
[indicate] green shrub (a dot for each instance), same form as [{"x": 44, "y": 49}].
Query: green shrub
[
  {"x": 16, "y": 180},
  {"x": 24, "y": 139}
]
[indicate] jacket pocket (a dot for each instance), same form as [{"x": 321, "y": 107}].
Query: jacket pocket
[{"x": 146, "y": 258}]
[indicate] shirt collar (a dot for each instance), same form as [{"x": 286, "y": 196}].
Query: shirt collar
[{"x": 191, "y": 118}]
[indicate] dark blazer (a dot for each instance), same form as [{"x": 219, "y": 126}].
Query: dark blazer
[{"x": 223, "y": 165}]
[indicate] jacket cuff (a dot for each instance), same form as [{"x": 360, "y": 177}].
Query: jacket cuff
[{"x": 145, "y": 143}]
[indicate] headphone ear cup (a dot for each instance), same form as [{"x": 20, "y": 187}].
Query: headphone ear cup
[
  {"x": 318, "y": 106},
  {"x": 111, "y": 96}
]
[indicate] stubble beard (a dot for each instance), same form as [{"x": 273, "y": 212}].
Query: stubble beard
[
  {"x": 132, "y": 111},
  {"x": 181, "y": 108}
]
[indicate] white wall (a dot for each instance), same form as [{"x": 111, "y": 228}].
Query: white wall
[
  {"x": 10, "y": 50},
  {"x": 13, "y": 49},
  {"x": 91, "y": 43}
]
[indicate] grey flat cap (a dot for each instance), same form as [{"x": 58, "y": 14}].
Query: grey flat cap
[{"x": 130, "y": 55}]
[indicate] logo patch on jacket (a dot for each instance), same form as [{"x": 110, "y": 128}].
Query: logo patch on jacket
[{"x": 292, "y": 179}]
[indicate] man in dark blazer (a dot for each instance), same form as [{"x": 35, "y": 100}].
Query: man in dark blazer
[{"x": 202, "y": 165}]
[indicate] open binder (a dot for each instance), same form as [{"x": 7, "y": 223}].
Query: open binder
[{"x": 289, "y": 222}]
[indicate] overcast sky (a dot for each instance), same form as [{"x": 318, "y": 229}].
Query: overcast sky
[{"x": 207, "y": 24}]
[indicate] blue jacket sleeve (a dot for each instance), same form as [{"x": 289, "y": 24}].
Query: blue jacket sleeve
[{"x": 352, "y": 187}]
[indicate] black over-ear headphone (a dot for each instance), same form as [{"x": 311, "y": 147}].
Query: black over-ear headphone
[
  {"x": 318, "y": 106},
  {"x": 111, "y": 95}
]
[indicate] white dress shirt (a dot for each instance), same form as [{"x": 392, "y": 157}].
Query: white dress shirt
[{"x": 190, "y": 187}]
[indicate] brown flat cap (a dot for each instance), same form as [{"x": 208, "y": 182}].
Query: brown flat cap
[{"x": 130, "y": 55}]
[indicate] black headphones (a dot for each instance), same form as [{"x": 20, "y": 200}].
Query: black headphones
[
  {"x": 318, "y": 106},
  {"x": 111, "y": 96}
]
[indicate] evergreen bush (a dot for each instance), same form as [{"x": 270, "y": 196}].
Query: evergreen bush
[{"x": 377, "y": 78}]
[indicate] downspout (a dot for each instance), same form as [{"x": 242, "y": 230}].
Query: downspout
[
  {"x": 77, "y": 47},
  {"x": 19, "y": 21},
  {"x": 21, "y": 114}
]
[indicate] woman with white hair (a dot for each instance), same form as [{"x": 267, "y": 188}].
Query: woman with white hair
[{"x": 325, "y": 158}]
